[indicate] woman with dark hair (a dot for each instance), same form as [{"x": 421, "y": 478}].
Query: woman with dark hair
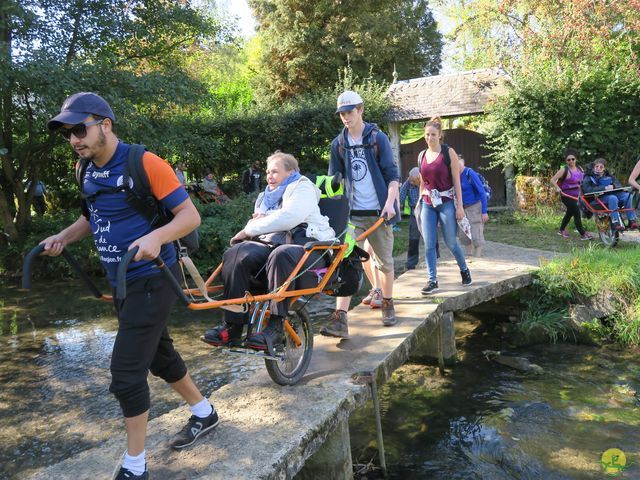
[
  {"x": 441, "y": 202},
  {"x": 567, "y": 182}
]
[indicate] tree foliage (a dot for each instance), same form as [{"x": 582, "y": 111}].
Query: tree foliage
[
  {"x": 305, "y": 44},
  {"x": 129, "y": 51},
  {"x": 538, "y": 37},
  {"x": 531, "y": 126}
]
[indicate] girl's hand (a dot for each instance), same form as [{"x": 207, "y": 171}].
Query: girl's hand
[{"x": 459, "y": 213}]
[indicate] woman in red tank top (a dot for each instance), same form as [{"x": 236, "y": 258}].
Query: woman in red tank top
[{"x": 441, "y": 202}]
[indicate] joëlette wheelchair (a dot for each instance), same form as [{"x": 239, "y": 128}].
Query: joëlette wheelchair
[
  {"x": 288, "y": 364},
  {"x": 591, "y": 205}
]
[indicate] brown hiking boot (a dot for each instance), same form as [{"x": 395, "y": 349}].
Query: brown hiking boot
[
  {"x": 388, "y": 312},
  {"x": 337, "y": 326}
]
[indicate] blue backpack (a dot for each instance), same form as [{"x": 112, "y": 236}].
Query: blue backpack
[{"x": 487, "y": 188}]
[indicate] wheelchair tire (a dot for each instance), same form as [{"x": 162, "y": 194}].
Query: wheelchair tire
[
  {"x": 608, "y": 236},
  {"x": 291, "y": 368}
]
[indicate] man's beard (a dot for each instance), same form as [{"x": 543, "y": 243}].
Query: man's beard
[{"x": 102, "y": 141}]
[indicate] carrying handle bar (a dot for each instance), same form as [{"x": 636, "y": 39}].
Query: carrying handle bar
[
  {"x": 71, "y": 260},
  {"x": 121, "y": 277}
]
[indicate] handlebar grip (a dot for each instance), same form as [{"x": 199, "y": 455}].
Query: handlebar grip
[
  {"x": 71, "y": 260},
  {"x": 28, "y": 263},
  {"x": 121, "y": 277}
]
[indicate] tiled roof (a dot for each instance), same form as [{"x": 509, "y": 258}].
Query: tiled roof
[{"x": 448, "y": 95}]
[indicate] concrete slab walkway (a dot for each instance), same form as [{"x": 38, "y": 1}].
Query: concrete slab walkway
[{"x": 268, "y": 431}]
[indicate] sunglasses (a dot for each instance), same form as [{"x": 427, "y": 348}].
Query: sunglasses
[
  {"x": 79, "y": 130},
  {"x": 571, "y": 159}
]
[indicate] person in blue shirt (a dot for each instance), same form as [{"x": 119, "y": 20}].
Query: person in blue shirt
[
  {"x": 409, "y": 196},
  {"x": 474, "y": 201},
  {"x": 598, "y": 179}
]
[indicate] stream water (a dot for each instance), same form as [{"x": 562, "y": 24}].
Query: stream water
[
  {"x": 482, "y": 420},
  {"x": 486, "y": 421}
]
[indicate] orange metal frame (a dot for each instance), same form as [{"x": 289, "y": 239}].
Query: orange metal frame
[{"x": 282, "y": 292}]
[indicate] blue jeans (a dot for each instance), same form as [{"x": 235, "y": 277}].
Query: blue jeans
[
  {"x": 446, "y": 215},
  {"x": 615, "y": 201}
]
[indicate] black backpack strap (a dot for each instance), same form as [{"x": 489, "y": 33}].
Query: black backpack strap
[
  {"x": 81, "y": 170},
  {"x": 140, "y": 196}
]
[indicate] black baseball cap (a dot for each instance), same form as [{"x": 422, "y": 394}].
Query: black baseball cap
[{"x": 77, "y": 107}]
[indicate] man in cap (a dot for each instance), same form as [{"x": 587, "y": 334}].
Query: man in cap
[
  {"x": 142, "y": 342},
  {"x": 362, "y": 154}
]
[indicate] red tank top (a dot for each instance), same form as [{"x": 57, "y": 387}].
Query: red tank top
[{"x": 435, "y": 175}]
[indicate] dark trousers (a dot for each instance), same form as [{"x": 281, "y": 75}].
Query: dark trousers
[
  {"x": 250, "y": 266},
  {"x": 39, "y": 205},
  {"x": 414, "y": 242},
  {"x": 573, "y": 210},
  {"x": 143, "y": 343}
]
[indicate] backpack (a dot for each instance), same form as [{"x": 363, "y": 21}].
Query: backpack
[
  {"x": 445, "y": 154},
  {"x": 487, "y": 188},
  {"x": 342, "y": 144},
  {"x": 139, "y": 197},
  {"x": 349, "y": 274}
]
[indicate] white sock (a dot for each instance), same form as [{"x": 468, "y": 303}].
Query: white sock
[
  {"x": 202, "y": 409},
  {"x": 135, "y": 464}
]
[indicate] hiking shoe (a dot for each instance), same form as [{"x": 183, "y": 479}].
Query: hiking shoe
[
  {"x": 224, "y": 335},
  {"x": 633, "y": 225},
  {"x": 618, "y": 227},
  {"x": 195, "y": 428},
  {"x": 563, "y": 233},
  {"x": 431, "y": 287},
  {"x": 466, "y": 277},
  {"x": 388, "y": 312},
  {"x": 373, "y": 298},
  {"x": 586, "y": 236},
  {"x": 337, "y": 326},
  {"x": 125, "y": 474},
  {"x": 270, "y": 338}
]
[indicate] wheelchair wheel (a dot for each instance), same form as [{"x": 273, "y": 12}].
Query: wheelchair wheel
[
  {"x": 608, "y": 236},
  {"x": 294, "y": 361}
]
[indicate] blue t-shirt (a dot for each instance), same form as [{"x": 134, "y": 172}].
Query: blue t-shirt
[{"x": 116, "y": 224}]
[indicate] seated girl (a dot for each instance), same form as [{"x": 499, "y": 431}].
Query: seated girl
[
  {"x": 289, "y": 205},
  {"x": 598, "y": 179}
]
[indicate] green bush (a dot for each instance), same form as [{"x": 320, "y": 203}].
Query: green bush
[
  {"x": 530, "y": 127},
  {"x": 572, "y": 279}
]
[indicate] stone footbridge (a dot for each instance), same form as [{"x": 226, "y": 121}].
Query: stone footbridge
[{"x": 273, "y": 432}]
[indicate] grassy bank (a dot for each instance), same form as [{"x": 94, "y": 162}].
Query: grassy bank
[
  {"x": 539, "y": 230},
  {"x": 612, "y": 274}
]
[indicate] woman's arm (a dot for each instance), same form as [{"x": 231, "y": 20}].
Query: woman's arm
[
  {"x": 455, "y": 174},
  {"x": 555, "y": 178},
  {"x": 635, "y": 173}
]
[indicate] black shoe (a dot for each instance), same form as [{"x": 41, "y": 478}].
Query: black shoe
[
  {"x": 224, "y": 335},
  {"x": 195, "y": 428},
  {"x": 270, "y": 338},
  {"x": 431, "y": 287},
  {"x": 466, "y": 277},
  {"x": 125, "y": 474}
]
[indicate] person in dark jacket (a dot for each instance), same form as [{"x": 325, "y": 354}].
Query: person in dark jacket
[
  {"x": 362, "y": 154},
  {"x": 598, "y": 179},
  {"x": 251, "y": 178}
]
